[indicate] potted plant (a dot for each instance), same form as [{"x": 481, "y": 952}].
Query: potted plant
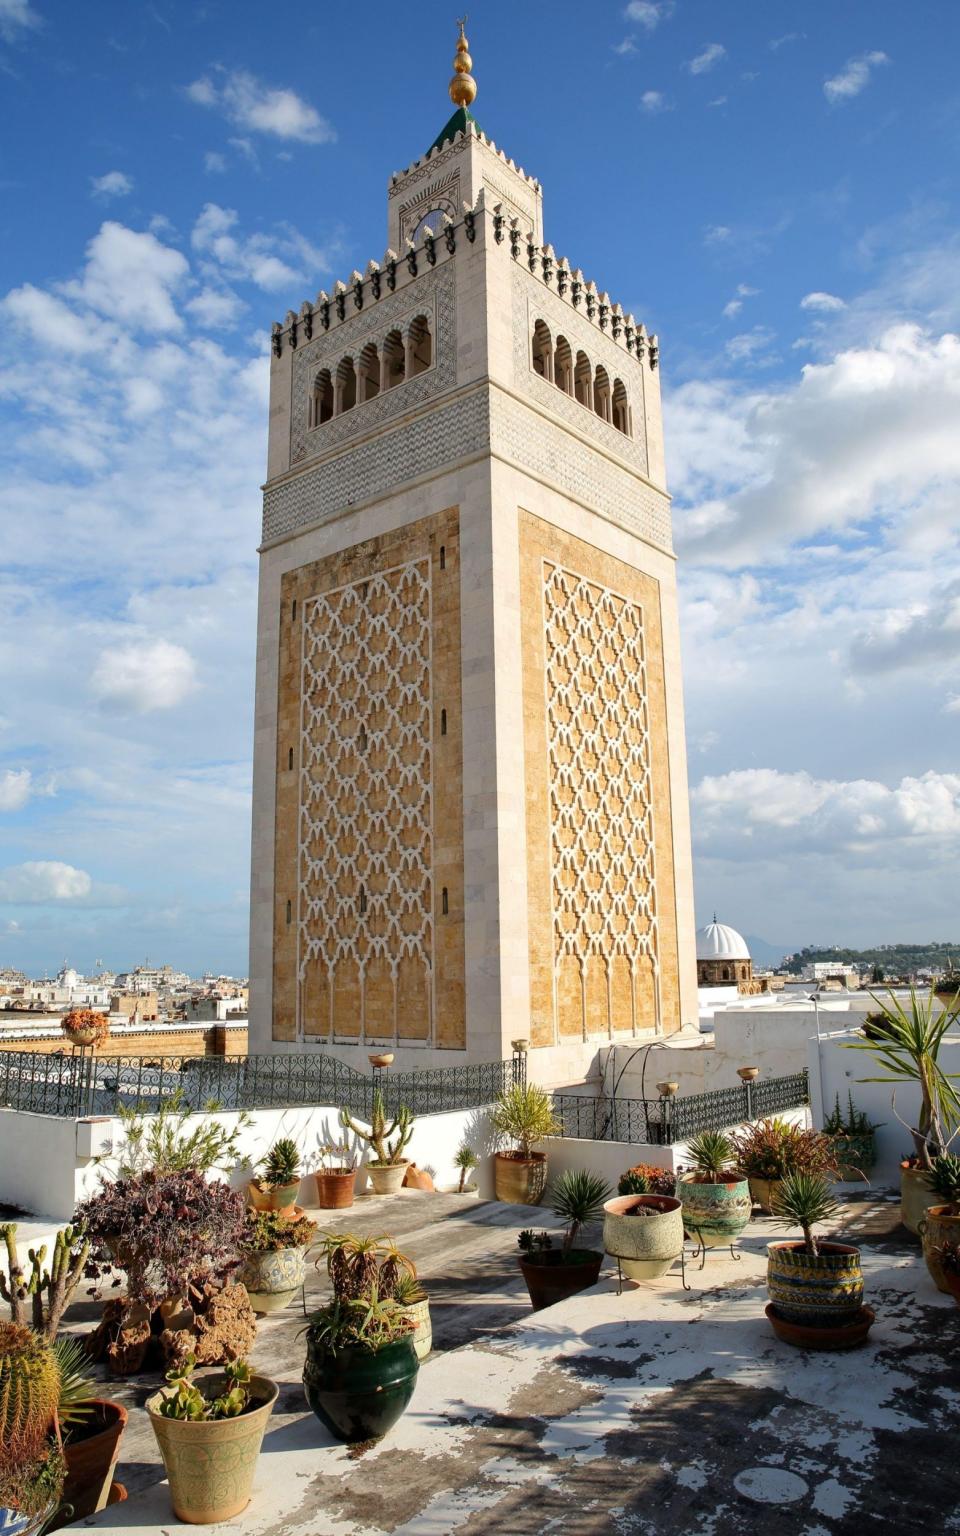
[
  {"x": 388, "y": 1167},
  {"x": 769, "y": 1150},
  {"x": 209, "y": 1433},
  {"x": 949, "y": 1260},
  {"x": 91, "y": 1427},
  {"x": 359, "y": 1266},
  {"x": 278, "y": 1186},
  {"x": 361, "y": 1366},
  {"x": 906, "y": 1043},
  {"x": 84, "y": 1027},
  {"x": 414, "y": 1303},
  {"x": 31, "y": 1459},
  {"x": 940, "y": 1223},
  {"x": 815, "y": 1287},
  {"x": 716, "y": 1201},
  {"x": 465, "y": 1159},
  {"x": 336, "y": 1181},
  {"x": 274, "y": 1262},
  {"x": 853, "y": 1139},
  {"x": 522, "y": 1114},
  {"x": 647, "y": 1179},
  {"x": 172, "y": 1139},
  {"x": 552, "y": 1274},
  {"x": 642, "y": 1228}
]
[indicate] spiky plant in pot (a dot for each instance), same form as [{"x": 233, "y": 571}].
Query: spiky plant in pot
[
  {"x": 805, "y": 1200},
  {"x": 577, "y": 1197},
  {"x": 944, "y": 1180},
  {"x": 815, "y": 1286},
  {"x": 712, "y": 1153},
  {"x": 281, "y": 1166}
]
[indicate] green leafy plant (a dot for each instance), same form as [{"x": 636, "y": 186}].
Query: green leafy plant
[
  {"x": 407, "y": 1290},
  {"x": 46, "y": 1293},
  {"x": 524, "y": 1115},
  {"x": 363, "y": 1266},
  {"x": 944, "y": 1180},
  {"x": 166, "y": 1140},
  {"x": 906, "y": 1043},
  {"x": 853, "y": 1123},
  {"x": 29, "y": 1392},
  {"x": 532, "y": 1242},
  {"x": 577, "y": 1197},
  {"x": 272, "y": 1231},
  {"x": 281, "y": 1166},
  {"x": 387, "y": 1153},
  {"x": 804, "y": 1199},
  {"x": 774, "y": 1148},
  {"x": 361, "y": 1322},
  {"x": 185, "y": 1400},
  {"x": 713, "y": 1153},
  {"x": 77, "y": 1388},
  {"x": 465, "y": 1160},
  {"x": 646, "y": 1179}
]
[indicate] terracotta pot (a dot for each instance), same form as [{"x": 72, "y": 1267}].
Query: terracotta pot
[
  {"x": 822, "y": 1290},
  {"x": 940, "y": 1224},
  {"x": 550, "y": 1279},
  {"x": 210, "y": 1466},
  {"x": 82, "y": 1037},
  {"x": 359, "y": 1394},
  {"x": 646, "y": 1246},
  {"x": 91, "y": 1455},
  {"x": 419, "y": 1314},
  {"x": 916, "y": 1197},
  {"x": 335, "y": 1187},
  {"x": 273, "y": 1279},
  {"x": 762, "y": 1192},
  {"x": 803, "y": 1336},
  {"x": 117, "y": 1494},
  {"x": 520, "y": 1180},
  {"x": 418, "y": 1178},
  {"x": 387, "y": 1178},
  {"x": 275, "y": 1197},
  {"x": 715, "y": 1213},
  {"x": 380, "y": 1058}
]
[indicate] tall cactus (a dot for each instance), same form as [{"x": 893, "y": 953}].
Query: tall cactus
[
  {"x": 378, "y": 1136},
  {"x": 29, "y": 1392},
  {"x": 49, "y": 1291}
]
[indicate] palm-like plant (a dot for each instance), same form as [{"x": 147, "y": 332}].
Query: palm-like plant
[
  {"x": 78, "y": 1390},
  {"x": 523, "y": 1114},
  {"x": 577, "y": 1196},
  {"x": 712, "y": 1153},
  {"x": 805, "y": 1200},
  {"x": 907, "y": 1043},
  {"x": 465, "y": 1160}
]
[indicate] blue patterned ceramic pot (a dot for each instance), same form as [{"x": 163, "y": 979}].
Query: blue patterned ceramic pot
[
  {"x": 272, "y": 1279},
  {"x": 823, "y": 1290}
]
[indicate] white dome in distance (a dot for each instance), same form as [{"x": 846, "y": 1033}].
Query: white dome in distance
[{"x": 718, "y": 942}]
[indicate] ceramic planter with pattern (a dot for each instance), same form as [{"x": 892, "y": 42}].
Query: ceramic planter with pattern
[{"x": 715, "y": 1213}]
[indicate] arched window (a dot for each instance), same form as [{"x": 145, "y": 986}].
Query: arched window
[
  {"x": 583, "y": 381},
  {"x": 543, "y": 351},
  {"x": 419, "y": 347},
  {"x": 726, "y": 973},
  {"x": 345, "y": 387},
  {"x": 321, "y": 398},
  {"x": 392, "y": 367},
  {"x": 563, "y": 366},
  {"x": 601, "y": 393},
  {"x": 368, "y": 373},
  {"x": 621, "y": 408}
]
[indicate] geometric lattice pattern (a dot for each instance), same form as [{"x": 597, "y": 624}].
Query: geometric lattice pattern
[
  {"x": 366, "y": 814},
  {"x": 601, "y": 798}
]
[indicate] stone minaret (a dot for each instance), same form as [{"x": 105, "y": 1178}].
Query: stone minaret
[{"x": 470, "y": 795}]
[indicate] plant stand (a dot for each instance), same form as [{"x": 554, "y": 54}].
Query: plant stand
[
  {"x": 683, "y": 1273},
  {"x": 701, "y": 1249}
]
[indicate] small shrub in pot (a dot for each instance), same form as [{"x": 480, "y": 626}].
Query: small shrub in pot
[
  {"x": 552, "y": 1274},
  {"x": 524, "y": 1115},
  {"x": 278, "y": 1185},
  {"x": 815, "y": 1284},
  {"x": 770, "y": 1150},
  {"x": 716, "y": 1200},
  {"x": 940, "y": 1222},
  {"x": 853, "y": 1139},
  {"x": 336, "y": 1177}
]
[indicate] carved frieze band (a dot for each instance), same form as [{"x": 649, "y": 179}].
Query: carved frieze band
[{"x": 435, "y": 295}]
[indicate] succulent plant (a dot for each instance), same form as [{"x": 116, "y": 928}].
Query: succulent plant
[
  {"x": 281, "y": 1165},
  {"x": 29, "y": 1392},
  {"x": 633, "y": 1183},
  {"x": 944, "y": 1178},
  {"x": 577, "y": 1196},
  {"x": 712, "y": 1153},
  {"x": 386, "y": 1152},
  {"x": 524, "y": 1114}
]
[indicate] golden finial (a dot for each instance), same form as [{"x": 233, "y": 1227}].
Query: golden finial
[{"x": 463, "y": 87}]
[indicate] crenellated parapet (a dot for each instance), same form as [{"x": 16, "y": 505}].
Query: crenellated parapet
[{"x": 439, "y": 152}]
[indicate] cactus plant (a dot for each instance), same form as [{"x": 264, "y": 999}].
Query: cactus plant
[
  {"x": 29, "y": 1392},
  {"x": 281, "y": 1166},
  {"x": 48, "y": 1291},
  {"x": 387, "y": 1153}
]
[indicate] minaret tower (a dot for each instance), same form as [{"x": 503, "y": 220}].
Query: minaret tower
[{"x": 470, "y": 797}]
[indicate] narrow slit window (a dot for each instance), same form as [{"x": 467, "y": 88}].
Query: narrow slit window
[
  {"x": 443, "y": 557},
  {"x": 445, "y": 902},
  {"x": 443, "y": 722},
  {"x": 363, "y": 900},
  {"x": 289, "y": 911},
  {"x": 293, "y": 609},
  {"x": 290, "y": 758}
]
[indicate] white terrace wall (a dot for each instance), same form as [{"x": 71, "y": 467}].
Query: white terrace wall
[{"x": 836, "y": 1069}]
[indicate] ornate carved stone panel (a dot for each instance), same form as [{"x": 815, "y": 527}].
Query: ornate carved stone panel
[{"x": 368, "y": 933}]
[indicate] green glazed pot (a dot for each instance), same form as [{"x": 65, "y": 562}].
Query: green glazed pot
[
  {"x": 272, "y": 1279},
  {"x": 823, "y": 1290},
  {"x": 715, "y": 1213},
  {"x": 359, "y": 1395},
  {"x": 210, "y": 1466}
]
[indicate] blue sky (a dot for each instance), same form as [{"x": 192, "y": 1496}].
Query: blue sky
[{"x": 771, "y": 187}]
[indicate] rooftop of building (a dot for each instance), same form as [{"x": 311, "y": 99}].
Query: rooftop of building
[{"x": 718, "y": 941}]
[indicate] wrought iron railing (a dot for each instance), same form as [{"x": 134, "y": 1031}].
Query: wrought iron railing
[
  {"x": 75, "y": 1083},
  {"x": 666, "y": 1120}
]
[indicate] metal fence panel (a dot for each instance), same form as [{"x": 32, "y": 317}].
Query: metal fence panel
[{"x": 667, "y": 1120}]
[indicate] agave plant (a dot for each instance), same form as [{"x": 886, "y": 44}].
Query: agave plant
[
  {"x": 944, "y": 1180},
  {"x": 712, "y": 1153},
  {"x": 805, "y": 1200},
  {"x": 577, "y": 1197},
  {"x": 906, "y": 1042}
]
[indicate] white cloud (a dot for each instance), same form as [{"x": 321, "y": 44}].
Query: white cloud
[
  {"x": 822, "y": 301},
  {"x": 144, "y": 676},
  {"x": 924, "y": 632},
  {"x": 131, "y": 277},
  {"x": 261, "y": 259},
  {"x": 215, "y": 308},
  {"x": 853, "y": 77},
  {"x": 15, "y": 788},
  {"x": 708, "y": 58},
  {"x": 627, "y": 46},
  {"x": 718, "y": 101},
  {"x": 717, "y": 234},
  {"x": 749, "y": 343},
  {"x": 17, "y": 17},
  {"x": 43, "y": 880},
  {"x": 732, "y": 307},
  {"x": 653, "y": 102},
  {"x": 51, "y": 322},
  {"x": 260, "y": 108},
  {"x": 854, "y": 815},
  {"x": 113, "y": 184},
  {"x": 649, "y": 13},
  {"x": 214, "y": 162}
]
